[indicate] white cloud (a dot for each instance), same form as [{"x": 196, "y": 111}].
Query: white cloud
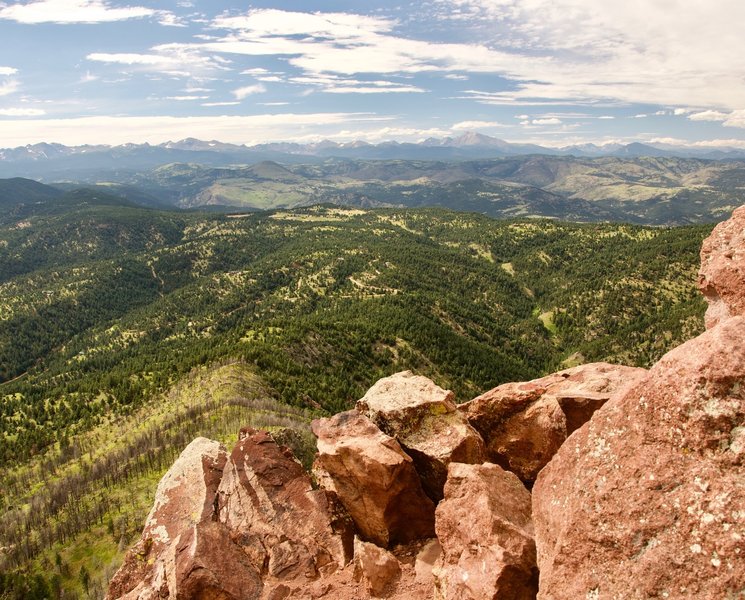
[
  {"x": 476, "y": 125},
  {"x": 158, "y": 129},
  {"x": 21, "y": 112},
  {"x": 246, "y": 91},
  {"x": 549, "y": 121},
  {"x": 71, "y": 11},
  {"x": 8, "y": 87},
  {"x": 682, "y": 111},
  {"x": 220, "y": 103},
  {"x": 333, "y": 84},
  {"x": 5, "y": 71},
  {"x": 644, "y": 116},
  {"x": 606, "y": 117},
  {"x": 648, "y": 51},
  {"x": 709, "y": 115},
  {"x": 169, "y": 59},
  {"x": 736, "y": 119},
  {"x": 185, "y": 98}
]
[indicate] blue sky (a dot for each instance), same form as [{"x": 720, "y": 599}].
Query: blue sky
[{"x": 554, "y": 72}]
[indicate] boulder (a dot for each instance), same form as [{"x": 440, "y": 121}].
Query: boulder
[
  {"x": 722, "y": 274},
  {"x": 184, "y": 497},
  {"x": 485, "y": 530},
  {"x": 425, "y": 421},
  {"x": 267, "y": 501},
  {"x": 524, "y": 424},
  {"x": 374, "y": 479},
  {"x": 647, "y": 500},
  {"x": 377, "y": 568}
]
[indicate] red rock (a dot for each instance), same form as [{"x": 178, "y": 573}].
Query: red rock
[
  {"x": 647, "y": 500},
  {"x": 268, "y": 503},
  {"x": 377, "y": 568},
  {"x": 210, "y": 565},
  {"x": 524, "y": 424},
  {"x": 425, "y": 421},
  {"x": 722, "y": 274},
  {"x": 184, "y": 498},
  {"x": 485, "y": 529},
  {"x": 374, "y": 479}
]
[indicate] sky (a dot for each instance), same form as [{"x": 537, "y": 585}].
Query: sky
[{"x": 552, "y": 72}]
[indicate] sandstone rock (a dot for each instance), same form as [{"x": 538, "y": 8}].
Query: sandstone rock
[
  {"x": 647, "y": 500},
  {"x": 374, "y": 479},
  {"x": 184, "y": 498},
  {"x": 524, "y": 424},
  {"x": 210, "y": 565},
  {"x": 425, "y": 562},
  {"x": 424, "y": 419},
  {"x": 377, "y": 568},
  {"x": 267, "y": 502},
  {"x": 484, "y": 527},
  {"x": 722, "y": 274}
]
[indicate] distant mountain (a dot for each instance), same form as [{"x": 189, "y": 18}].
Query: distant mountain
[{"x": 51, "y": 162}]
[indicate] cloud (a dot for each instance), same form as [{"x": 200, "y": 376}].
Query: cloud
[
  {"x": 185, "y": 98},
  {"x": 8, "y": 87},
  {"x": 158, "y": 129},
  {"x": 245, "y": 92},
  {"x": 548, "y": 121},
  {"x": 708, "y": 115},
  {"x": 71, "y": 11},
  {"x": 333, "y": 84},
  {"x": 644, "y": 51},
  {"x": 5, "y": 71},
  {"x": 736, "y": 119},
  {"x": 220, "y": 103},
  {"x": 169, "y": 59},
  {"x": 606, "y": 117},
  {"x": 21, "y": 112},
  {"x": 475, "y": 125}
]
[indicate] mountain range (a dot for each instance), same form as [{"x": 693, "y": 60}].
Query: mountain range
[{"x": 51, "y": 160}]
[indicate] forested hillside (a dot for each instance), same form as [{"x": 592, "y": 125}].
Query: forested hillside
[{"x": 125, "y": 331}]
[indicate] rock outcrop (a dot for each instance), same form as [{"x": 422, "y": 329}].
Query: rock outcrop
[
  {"x": 184, "y": 498},
  {"x": 485, "y": 528},
  {"x": 638, "y": 487},
  {"x": 722, "y": 274},
  {"x": 524, "y": 424},
  {"x": 647, "y": 500},
  {"x": 374, "y": 479},
  {"x": 424, "y": 419}
]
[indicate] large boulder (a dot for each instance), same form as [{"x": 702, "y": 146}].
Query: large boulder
[
  {"x": 425, "y": 421},
  {"x": 647, "y": 500},
  {"x": 184, "y": 498},
  {"x": 267, "y": 501},
  {"x": 524, "y": 424},
  {"x": 722, "y": 274},
  {"x": 374, "y": 479},
  {"x": 485, "y": 530}
]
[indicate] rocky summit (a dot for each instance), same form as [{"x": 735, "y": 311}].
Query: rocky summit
[{"x": 600, "y": 482}]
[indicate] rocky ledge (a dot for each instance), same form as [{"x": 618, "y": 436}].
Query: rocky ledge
[{"x": 598, "y": 482}]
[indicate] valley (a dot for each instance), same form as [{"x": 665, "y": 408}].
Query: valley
[{"x": 126, "y": 331}]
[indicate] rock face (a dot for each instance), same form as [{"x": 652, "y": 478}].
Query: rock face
[
  {"x": 425, "y": 421},
  {"x": 722, "y": 274},
  {"x": 267, "y": 502},
  {"x": 524, "y": 424},
  {"x": 648, "y": 500},
  {"x": 374, "y": 479},
  {"x": 184, "y": 498},
  {"x": 485, "y": 529},
  {"x": 239, "y": 527}
]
